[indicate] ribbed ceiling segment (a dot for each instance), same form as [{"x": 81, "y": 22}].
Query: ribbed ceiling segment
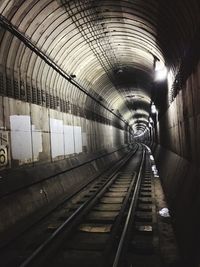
[{"x": 107, "y": 47}]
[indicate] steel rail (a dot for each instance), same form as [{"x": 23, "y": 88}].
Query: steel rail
[
  {"x": 107, "y": 171},
  {"x": 132, "y": 208},
  {"x": 30, "y": 260}
]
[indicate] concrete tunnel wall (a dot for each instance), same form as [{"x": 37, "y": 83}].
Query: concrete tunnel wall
[
  {"x": 48, "y": 122},
  {"x": 43, "y": 143},
  {"x": 34, "y": 135},
  {"x": 43, "y": 139},
  {"x": 178, "y": 158}
]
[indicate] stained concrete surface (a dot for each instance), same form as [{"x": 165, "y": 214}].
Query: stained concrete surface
[{"x": 180, "y": 181}]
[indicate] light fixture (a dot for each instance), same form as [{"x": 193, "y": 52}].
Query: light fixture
[
  {"x": 160, "y": 70},
  {"x": 161, "y": 74},
  {"x": 153, "y": 108}
]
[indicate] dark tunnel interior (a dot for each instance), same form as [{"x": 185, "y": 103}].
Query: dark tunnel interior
[{"x": 80, "y": 82}]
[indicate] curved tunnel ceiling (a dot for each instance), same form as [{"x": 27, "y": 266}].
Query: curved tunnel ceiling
[{"x": 107, "y": 47}]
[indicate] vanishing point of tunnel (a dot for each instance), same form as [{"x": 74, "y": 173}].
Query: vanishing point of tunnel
[{"x": 100, "y": 133}]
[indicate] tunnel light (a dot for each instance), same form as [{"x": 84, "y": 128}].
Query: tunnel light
[
  {"x": 151, "y": 158},
  {"x": 160, "y": 71},
  {"x": 159, "y": 65},
  {"x": 161, "y": 74},
  {"x": 119, "y": 71},
  {"x": 153, "y": 108}
]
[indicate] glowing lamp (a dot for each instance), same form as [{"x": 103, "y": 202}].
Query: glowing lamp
[
  {"x": 161, "y": 74},
  {"x": 153, "y": 108}
]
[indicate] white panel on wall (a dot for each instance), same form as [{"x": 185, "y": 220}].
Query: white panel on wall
[
  {"x": 57, "y": 137},
  {"x": 21, "y": 148},
  {"x": 37, "y": 142},
  {"x": 69, "y": 139},
  {"x": 78, "y": 139}
]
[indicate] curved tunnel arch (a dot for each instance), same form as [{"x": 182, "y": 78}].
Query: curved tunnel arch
[
  {"x": 93, "y": 40},
  {"x": 81, "y": 76}
]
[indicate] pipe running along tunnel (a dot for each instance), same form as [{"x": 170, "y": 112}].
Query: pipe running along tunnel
[{"x": 82, "y": 80}]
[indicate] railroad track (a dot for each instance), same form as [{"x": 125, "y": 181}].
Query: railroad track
[
  {"x": 139, "y": 243},
  {"x": 105, "y": 226}
]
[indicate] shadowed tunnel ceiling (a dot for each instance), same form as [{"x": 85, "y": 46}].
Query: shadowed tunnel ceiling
[{"x": 97, "y": 50}]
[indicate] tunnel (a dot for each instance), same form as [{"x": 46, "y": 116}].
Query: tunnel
[{"x": 83, "y": 83}]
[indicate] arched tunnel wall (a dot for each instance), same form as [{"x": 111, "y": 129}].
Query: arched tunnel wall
[
  {"x": 34, "y": 134},
  {"x": 70, "y": 78},
  {"x": 42, "y": 137},
  {"x": 177, "y": 157},
  {"x": 50, "y": 120}
]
